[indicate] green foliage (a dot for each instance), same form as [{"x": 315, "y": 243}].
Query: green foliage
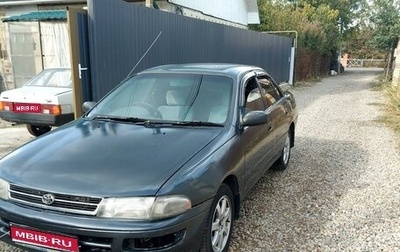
[
  {"x": 357, "y": 44},
  {"x": 385, "y": 17},
  {"x": 362, "y": 28},
  {"x": 344, "y": 8},
  {"x": 316, "y": 25}
]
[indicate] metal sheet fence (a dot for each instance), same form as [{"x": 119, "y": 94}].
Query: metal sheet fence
[{"x": 120, "y": 33}]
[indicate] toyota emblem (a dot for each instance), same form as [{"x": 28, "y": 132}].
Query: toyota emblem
[{"x": 48, "y": 199}]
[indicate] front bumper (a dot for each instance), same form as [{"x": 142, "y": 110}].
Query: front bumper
[
  {"x": 181, "y": 233},
  {"x": 36, "y": 118}
]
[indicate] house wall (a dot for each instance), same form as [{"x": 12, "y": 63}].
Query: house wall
[
  {"x": 396, "y": 71},
  {"x": 188, "y": 12},
  {"x": 235, "y": 11},
  {"x": 25, "y": 52},
  {"x": 6, "y": 69},
  {"x": 2, "y": 52}
]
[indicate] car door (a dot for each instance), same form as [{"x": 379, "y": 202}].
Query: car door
[
  {"x": 277, "y": 109},
  {"x": 257, "y": 141}
]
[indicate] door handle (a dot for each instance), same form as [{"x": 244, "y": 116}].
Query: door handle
[
  {"x": 270, "y": 127},
  {"x": 81, "y": 69}
]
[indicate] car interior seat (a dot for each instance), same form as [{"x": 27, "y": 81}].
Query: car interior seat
[{"x": 177, "y": 105}]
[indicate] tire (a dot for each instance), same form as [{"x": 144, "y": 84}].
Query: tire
[
  {"x": 217, "y": 233},
  {"x": 38, "y": 130},
  {"x": 283, "y": 162}
]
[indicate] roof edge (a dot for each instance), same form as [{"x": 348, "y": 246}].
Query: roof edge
[
  {"x": 35, "y": 2},
  {"x": 38, "y": 16}
]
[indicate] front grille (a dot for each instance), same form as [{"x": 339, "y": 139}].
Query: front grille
[{"x": 62, "y": 202}]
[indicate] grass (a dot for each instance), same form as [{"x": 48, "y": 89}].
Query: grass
[{"x": 391, "y": 108}]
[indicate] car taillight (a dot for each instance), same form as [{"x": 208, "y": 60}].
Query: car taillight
[
  {"x": 51, "y": 109},
  {"x": 8, "y": 106}
]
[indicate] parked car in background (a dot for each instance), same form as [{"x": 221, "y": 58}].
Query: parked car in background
[
  {"x": 161, "y": 163},
  {"x": 43, "y": 102}
]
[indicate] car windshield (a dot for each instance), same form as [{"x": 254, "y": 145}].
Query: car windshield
[
  {"x": 51, "y": 78},
  {"x": 169, "y": 97}
]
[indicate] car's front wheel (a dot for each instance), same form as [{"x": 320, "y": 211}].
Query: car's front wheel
[
  {"x": 38, "y": 130},
  {"x": 218, "y": 230}
]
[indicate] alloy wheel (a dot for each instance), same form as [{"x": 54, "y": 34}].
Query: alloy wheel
[{"x": 221, "y": 224}]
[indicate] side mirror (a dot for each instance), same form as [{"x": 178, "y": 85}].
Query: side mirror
[
  {"x": 254, "y": 118},
  {"x": 88, "y": 105},
  {"x": 288, "y": 95},
  {"x": 284, "y": 86}
]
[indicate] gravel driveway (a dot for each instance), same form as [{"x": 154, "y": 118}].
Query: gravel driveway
[{"x": 342, "y": 189}]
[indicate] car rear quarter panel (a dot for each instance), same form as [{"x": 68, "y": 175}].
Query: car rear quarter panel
[{"x": 65, "y": 99}]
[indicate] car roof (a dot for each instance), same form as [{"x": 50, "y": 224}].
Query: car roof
[{"x": 232, "y": 70}]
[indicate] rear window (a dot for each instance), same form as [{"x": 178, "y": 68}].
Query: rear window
[{"x": 52, "y": 78}]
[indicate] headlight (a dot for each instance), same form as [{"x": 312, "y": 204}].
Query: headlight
[
  {"x": 144, "y": 208},
  {"x": 3, "y": 189}
]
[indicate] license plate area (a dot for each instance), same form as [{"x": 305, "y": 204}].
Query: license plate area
[
  {"x": 27, "y": 108},
  {"x": 44, "y": 239}
]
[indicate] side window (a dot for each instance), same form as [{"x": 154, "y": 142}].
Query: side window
[
  {"x": 253, "y": 98},
  {"x": 270, "y": 93}
]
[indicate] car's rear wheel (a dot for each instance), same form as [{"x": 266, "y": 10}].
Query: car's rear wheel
[
  {"x": 218, "y": 230},
  {"x": 38, "y": 130},
  {"x": 283, "y": 161}
]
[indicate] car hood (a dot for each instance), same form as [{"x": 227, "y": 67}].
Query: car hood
[
  {"x": 98, "y": 158},
  {"x": 33, "y": 94}
]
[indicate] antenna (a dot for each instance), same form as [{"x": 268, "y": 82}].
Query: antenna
[{"x": 144, "y": 55}]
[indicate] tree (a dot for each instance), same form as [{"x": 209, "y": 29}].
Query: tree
[
  {"x": 322, "y": 25},
  {"x": 385, "y": 18},
  {"x": 357, "y": 43},
  {"x": 346, "y": 8},
  {"x": 316, "y": 26},
  {"x": 358, "y": 36}
]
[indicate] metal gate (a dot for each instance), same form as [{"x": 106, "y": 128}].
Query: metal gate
[
  {"x": 120, "y": 33},
  {"x": 78, "y": 26}
]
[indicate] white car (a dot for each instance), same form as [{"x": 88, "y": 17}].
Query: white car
[{"x": 44, "y": 101}]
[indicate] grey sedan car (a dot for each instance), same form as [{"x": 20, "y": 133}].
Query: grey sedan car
[{"x": 161, "y": 163}]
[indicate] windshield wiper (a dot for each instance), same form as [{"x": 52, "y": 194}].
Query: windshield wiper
[
  {"x": 198, "y": 123},
  {"x": 120, "y": 119},
  {"x": 147, "y": 122}
]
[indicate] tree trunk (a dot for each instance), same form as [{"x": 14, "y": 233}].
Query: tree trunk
[{"x": 389, "y": 65}]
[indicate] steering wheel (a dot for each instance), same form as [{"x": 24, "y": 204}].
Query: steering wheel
[{"x": 150, "y": 108}]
